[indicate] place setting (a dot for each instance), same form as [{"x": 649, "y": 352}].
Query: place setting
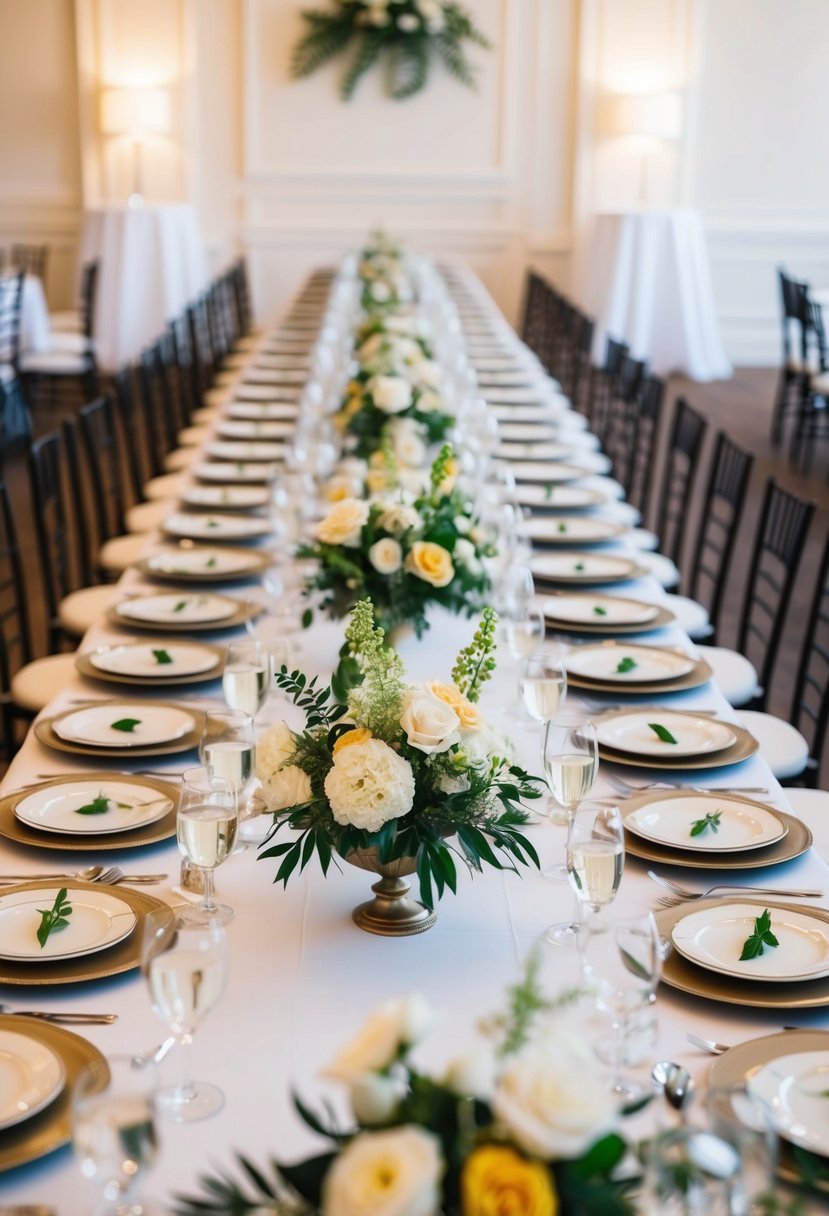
[
  {"x": 275, "y": 411},
  {"x": 182, "y": 611},
  {"x": 204, "y": 564},
  {"x": 547, "y": 473},
  {"x": 539, "y": 449},
  {"x": 556, "y": 531},
  {"x": 552, "y": 498},
  {"x": 631, "y": 668},
  {"x": 596, "y": 613},
  {"x": 584, "y": 569},
  {"x": 192, "y": 525},
  {"x": 240, "y": 451},
  {"x": 245, "y": 390},
  {"x": 226, "y": 497},
  {"x": 238, "y": 472},
  {"x": 158, "y": 663},
  {"x": 255, "y": 430},
  {"x": 661, "y": 738},
  {"x": 120, "y": 729}
]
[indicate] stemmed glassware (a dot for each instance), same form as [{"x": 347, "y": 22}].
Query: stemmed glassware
[
  {"x": 571, "y": 765},
  {"x": 247, "y": 676},
  {"x": 114, "y": 1133},
  {"x": 595, "y": 855},
  {"x": 185, "y": 965},
  {"x": 206, "y": 827}
]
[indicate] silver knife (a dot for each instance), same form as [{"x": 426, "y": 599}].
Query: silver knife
[{"x": 71, "y": 1019}]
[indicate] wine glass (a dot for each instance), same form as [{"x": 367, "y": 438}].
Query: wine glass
[
  {"x": 185, "y": 966},
  {"x": 543, "y": 683},
  {"x": 571, "y": 765},
  {"x": 246, "y": 676},
  {"x": 113, "y": 1126},
  {"x": 595, "y": 855},
  {"x": 206, "y": 826}
]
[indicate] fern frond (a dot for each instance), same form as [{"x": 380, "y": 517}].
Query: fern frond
[
  {"x": 366, "y": 57},
  {"x": 408, "y": 67},
  {"x": 454, "y": 60},
  {"x": 327, "y": 37}
]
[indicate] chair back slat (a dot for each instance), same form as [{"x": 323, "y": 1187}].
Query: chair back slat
[
  {"x": 679, "y": 476},
  {"x": 54, "y": 533}
]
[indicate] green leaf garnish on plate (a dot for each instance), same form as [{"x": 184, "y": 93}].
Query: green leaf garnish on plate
[
  {"x": 212, "y": 523},
  {"x": 710, "y": 820},
  {"x": 549, "y": 491},
  {"x": 210, "y": 563},
  {"x": 162, "y": 656},
  {"x": 127, "y": 725},
  {"x": 599, "y": 610},
  {"x": 579, "y": 566},
  {"x": 562, "y": 527},
  {"x": 626, "y": 664},
  {"x": 54, "y": 918},
  {"x": 181, "y": 605},
  {"x": 662, "y": 733},
  {"x": 100, "y": 805},
  {"x": 756, "y": 942}
]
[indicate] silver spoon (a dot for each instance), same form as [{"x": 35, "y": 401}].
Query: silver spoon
[{"x": 676, "y": 1083}]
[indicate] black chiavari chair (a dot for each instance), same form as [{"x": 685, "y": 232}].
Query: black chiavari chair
[
  {"x": 678, "y": 477},
  {"x": 810, "y": 705},
  {"x": 792, "y": 384},
  {"x": 601, "y": 384},
  {"x": 648, "y": 415}
]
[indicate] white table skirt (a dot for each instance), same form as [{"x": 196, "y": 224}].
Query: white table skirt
[
  {"x": 645, "y": 277},
  {"x": 153, "y": 264},
  {"x": 34, "y": 313},
  {"x": 303, "y": 977}
]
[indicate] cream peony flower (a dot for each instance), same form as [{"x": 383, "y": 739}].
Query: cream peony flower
[
  {"x": 553, "y": 1101},
  {"x": 343, "y": 525},
  {"x": 389, "y": 1173},
  {"x": 386, "y": 556},
  {"x": 394, "y": 1025},
  {"x": 283, "y": 783},
  {"x": 398, "y": 518},
  {"x": 430, "y": 724},
  {"x": 368, "y": 784},
  {"x": 430, "y": 562},
  {"x": 391, "y": 394},
  {"x": 469, "y": 716}
]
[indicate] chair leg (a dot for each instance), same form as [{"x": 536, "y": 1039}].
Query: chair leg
[{"x": 781, "y": 399}]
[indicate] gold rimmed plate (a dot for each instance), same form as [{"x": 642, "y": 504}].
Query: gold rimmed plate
[
  {"x": 164, "y": 828},
  {"x": 685, "y": 976},
  {"x": 187, "y": 741},
  {"x": 125, "y": 955},
  {"x": 682, "y": 671},
  {"x": 194, "y": 563},
  {"x": 52, "y": 1127},
  {"x": 584, "y": 569},
  {"x": 744, "y": 745},
  {"x": 662, "y": 618},
  {"x": 89, "y": 664},
  {"x": 245, "y": 611}
]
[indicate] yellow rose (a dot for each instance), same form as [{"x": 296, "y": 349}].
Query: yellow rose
[
  {"x": 344, "y": 523},
  {"x": 430, "y": 562},
  {"x": 360, "y": 734},
  {"x": 469, "y": 714},
  {"x": 496, "y": 1181}
]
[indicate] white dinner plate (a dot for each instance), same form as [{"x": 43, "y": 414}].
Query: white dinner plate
[
  {"x": 240, "y": 451},
  {"x": 243, "y": 497},
  {"x": 202, "y": 560},
  {"x": 549, "y": 413},
  {"x": 536, "y": 450},
  {"x": 541, "y": 395},
  {"x": 142, "y": 659},
  {"x": 290, "y": 362},
  {"x": 589, "y": 529},
  {"x": 652, "y": 663},
  {"x": 500, "y": 363},
  {"x": 31, "y": 1076},
  {"x": 240, "y": 472},
  {"x": 216, "y": 527},
  {"x": 263, "y": 392},
  {"x": 794, "y": 1090},
  {"x": 562, "y": 497},
  {"x": 713, "y": 938},
  {"x": 268, "y": 375},
  {"x": 741, "y": 825},
  {"x": 178, "y": 608},
  {"x": 233, "y": 429},
  {"x": 93, "y": 725},
  {"x": 283, "y": 411},
  {"x": 589, "y": 567},
  {"x": 56, "y": 808},
  {"x": 97, "y": 920},
  {"x": 695, "y": 736},
  {"x": 584, "y": 609},
  {"x": 527, "y": 432},
  {"x": 547, "y": 472}
]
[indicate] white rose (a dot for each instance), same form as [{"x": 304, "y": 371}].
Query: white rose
[
  {"x": 464, "y": 552},
  {"x": 553, "y": 1101},
  {"x": 429, "y": 402},
  {"x": 352, "y": 466},
  {"x": 388, "y": 1173},
  {"x": 462, "y": 524},
  {"x": 381, "y": 292},
  {"x": 472, "y": 1075},
  {"x": 408, "y": 22},
  {"x": 391, "y": 394},
  {"x": 386, "y": 556},
  {"x": 430, "y": 724},
  {"x": 414, "y": 481},
  {"x": 426, "y": 373},
  {"x": 273, "y": 748},
  {"x": 398, "y": 518},
  {"x": 374, "y": 1098},
  {"x": 396, "y": 1024},
  {"x": 409, "y": 449},
  {"x": 368, "y": 784}
]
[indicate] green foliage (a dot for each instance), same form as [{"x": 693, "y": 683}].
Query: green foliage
[
  {"x": 476, "y": 662},
  {"x": 55, "y": 918},
  {"x": 367, "y": 55}
]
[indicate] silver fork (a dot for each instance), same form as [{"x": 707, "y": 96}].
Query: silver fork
[
  {"x": 626, "y": 787},
  {"x": 710, "y": 1045},
  {"x": 680, "y": 894}
]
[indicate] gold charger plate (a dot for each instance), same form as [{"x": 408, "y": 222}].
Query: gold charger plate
[
  {"x": 744, "y": 746},
  {"x": 798, "y": 840},
  {"x": 123, "y": 956},
  {"x": 577, "y": 579},
  {"x": 45, "y": 732},
  {"x": 52, "y": 1128},
  {"x": 245, "y": 612},
  {"x": 741, "y": 1062},
  {"x": 663, "y": 617},
  {"x": 685, "y": 976},
  {"x": 700, "y": 674},
  {"x": 15, "y": 829},
  {"x": 263, "y": 561},
  {"x": 87, "y": 668}
]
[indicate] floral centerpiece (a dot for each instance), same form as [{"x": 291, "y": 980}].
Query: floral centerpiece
[
  {"x": 384, "y": 272},
  {"x": 411, "y": 33},
  {"x": 403, "y": 554},
  {"x": 390, "y": 771},
  {"x": 522, "y": 1125}
]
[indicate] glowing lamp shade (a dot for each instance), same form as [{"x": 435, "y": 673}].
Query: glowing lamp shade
[
  {"x": 135, "y": 112},
  {"x": 646, "y": 115}
]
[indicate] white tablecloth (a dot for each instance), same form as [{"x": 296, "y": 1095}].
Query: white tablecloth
[
  {"x": 303, "y": 977},
  {"x": 34, "y": 313},
  {"x": 645, "y": 277},
  {"x": 153, "y": 263}
]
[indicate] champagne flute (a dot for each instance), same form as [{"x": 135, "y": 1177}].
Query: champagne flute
[
  {"x": 595, "y": 854},
  {"x": 246, "y": 676},
  {"x": 525, "y": 630},
  {"x": 185, "y": 966},
  {"x": 571, "y": 765},
  {"x": 206, "y": 826},
  {"x": 113, "y": 1129}
]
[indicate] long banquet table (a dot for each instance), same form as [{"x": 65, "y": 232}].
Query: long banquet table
[{"x": 303, "y": 977}]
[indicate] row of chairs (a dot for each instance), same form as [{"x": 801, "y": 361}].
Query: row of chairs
[
  {"x": 625, "y": 406},
  {"x": 803, "y": 381},
  {"x": 85, "y": 481}
]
